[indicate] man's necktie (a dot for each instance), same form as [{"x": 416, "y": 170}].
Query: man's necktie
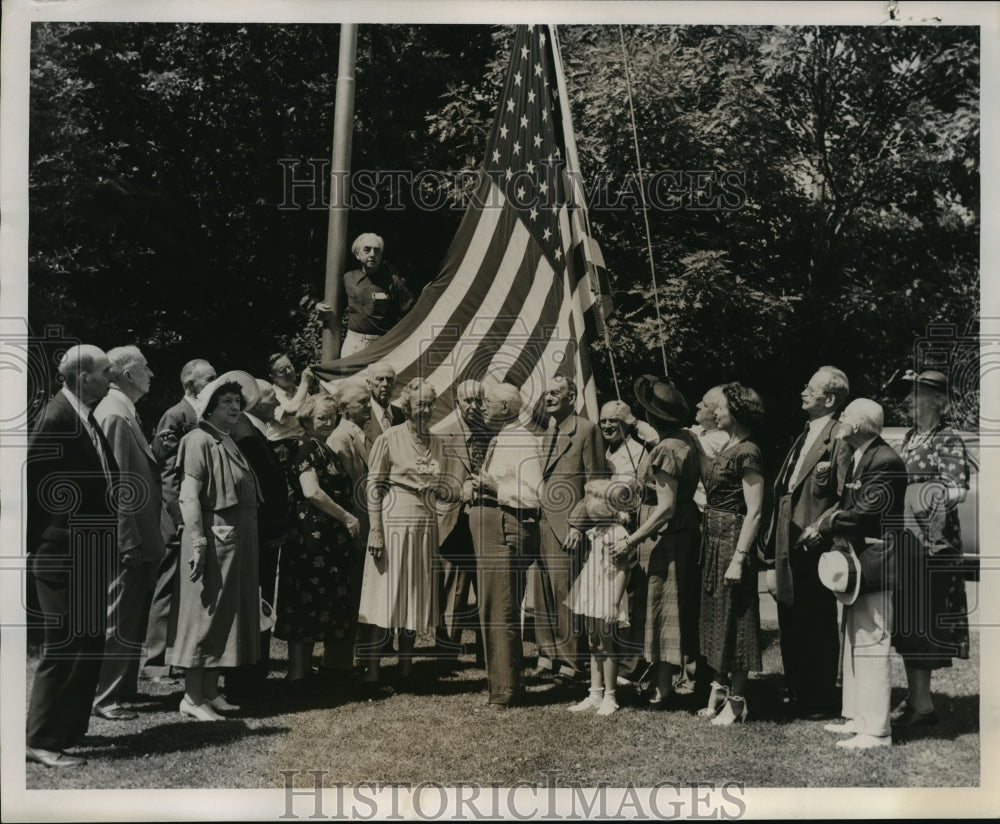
[
  {"x": 796, "y": 460},
  {"x": 97, "y": 438}
]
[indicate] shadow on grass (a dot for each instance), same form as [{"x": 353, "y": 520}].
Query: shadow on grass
[{"x": 175, "y": 736}]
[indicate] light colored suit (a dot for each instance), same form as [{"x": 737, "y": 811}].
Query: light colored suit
[{"x": 132, "y": 580}]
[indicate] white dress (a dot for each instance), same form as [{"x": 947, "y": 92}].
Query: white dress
[{"x": 593, "y": 592}]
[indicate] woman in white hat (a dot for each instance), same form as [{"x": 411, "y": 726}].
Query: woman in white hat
[
  {"x": 218, "y": 611},
  {"x": 937, "y": 468}
]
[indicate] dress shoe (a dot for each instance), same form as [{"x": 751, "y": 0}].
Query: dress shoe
[
  {"x": 538, "y": 673},
  {"x": 115, "y": 713},
  {"x": 716, "y": 701},
  {"x": 735, "y": 711},
  {"x": 165, "y": 681},
  {"x": 847, "y": 728},
  {"x": 199, "y": 712},
  {"x": 684, "y": 686},
  {"x": 52, "y": 759},
  {"x": 220, "y": 704},
  {"x": 862, "y": 741},
  {"x": 914, "y": 718}
]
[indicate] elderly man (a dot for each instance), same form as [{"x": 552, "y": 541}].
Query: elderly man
[
  {"x": 466, "y": 438},
  {"x": 351, "y": 446},
  {"x": 504, "y": 523},
  {"x": 71, "y": 541},
  {"x": 573, "y": 453},
  {"x": 140, "y": 543},
  {"x": 808, "y": 483},
  {"x": 382, "y": 382},
  {"x": 869, "y": 510},
  {"x": 376, "y": 300},
  {"x": 178, "y": 420},
  {"x": 249, "y": 433}
]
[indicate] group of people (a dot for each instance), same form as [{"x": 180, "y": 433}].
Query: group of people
[{"x": 341, "y": 518}]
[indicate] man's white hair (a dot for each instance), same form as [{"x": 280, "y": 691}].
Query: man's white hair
[
  {"x": 867, "y": 414},
  {"x": 77, "y": 360},
  {"x": 121, "y": 358},
  {"x": 506, "y": 392}
]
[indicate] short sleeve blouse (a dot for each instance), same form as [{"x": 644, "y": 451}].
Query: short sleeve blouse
[
  {"x": 724, "y": 484},
  {"x": 938, "y": 455}
]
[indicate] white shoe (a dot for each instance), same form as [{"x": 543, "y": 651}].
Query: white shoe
[
  {"x": 199, "y": 712},
  {"x": 862, "y": 741},
  {"x": 847, "y": 728},
  {"x": 220, "y": 704},
  {"x": 608, "y": 705},
  {"x": 591, "y": 702}
]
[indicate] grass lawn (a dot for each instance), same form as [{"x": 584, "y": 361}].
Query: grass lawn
[{"x": 448, "y": 734}]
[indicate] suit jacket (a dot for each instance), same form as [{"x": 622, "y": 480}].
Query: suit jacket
[
  {"x": 272, "y": 510},
  {"x": 871, "y": 504},
  {"x": 373, "y": 428},
  {"x": 813, "y": 493},
  {"x": 572, "y": 454},
  {"x": 140, "y": 508},
  {"x": 454, "y": 433},
  {"x": 180, "y": 419},
  {"x": 65, "y": 483}
]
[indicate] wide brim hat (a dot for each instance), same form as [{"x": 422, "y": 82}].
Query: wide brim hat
[
  {"x": 839, "y": 571},
  {"x": 248, "y": 386},
  {"x": 661, "y": 398},
  {"x": 929, "y": 377}
]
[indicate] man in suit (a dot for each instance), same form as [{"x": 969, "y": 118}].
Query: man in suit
[
  {"x": 573, "y": 453},
  {"x": 178, "y": 420},
  {"x": 140, "y": 544},
  {"x": 382, "y": 382},
  {"x": 272, "y": 522},
  {"x": 808, "y": 484},
  {"x": 504, "y": 522},
  {"x": 71, "y": 543},
  {"x": 870, "y": 509},
  {"x": 350, "y": 444},
  {"x": 465, "y": 438}
]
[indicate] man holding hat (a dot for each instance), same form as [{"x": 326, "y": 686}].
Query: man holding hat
[{"x": 858, "y": 569}]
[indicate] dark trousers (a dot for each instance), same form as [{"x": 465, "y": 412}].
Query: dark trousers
[
  {"x": 128, "y": 609},
  {"x": 505, "y": 547},
  {"x": 810, "y": 636},
  {"x": 458, "y": 583},
  {"x": 165, "y": 595},
  {"x": 74, "y": 604},
  {"x": 562, "y": 644}
]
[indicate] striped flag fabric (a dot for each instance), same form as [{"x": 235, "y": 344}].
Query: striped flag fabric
[{"x": 514, "y": 297}]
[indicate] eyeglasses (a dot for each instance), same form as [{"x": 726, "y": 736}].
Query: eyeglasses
[{"x": 808, "y": 390}]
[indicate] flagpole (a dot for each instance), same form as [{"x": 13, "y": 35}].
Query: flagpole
[{"x": 340, "y": 189}]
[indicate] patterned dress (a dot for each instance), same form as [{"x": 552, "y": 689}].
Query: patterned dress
[
  {"x": 319, "y": 560},
  {"x": 730, "y": 615},
  {"x": 930, "y": 610}
]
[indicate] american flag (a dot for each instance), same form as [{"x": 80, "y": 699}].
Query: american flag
[{"x": 515, "y": 296}]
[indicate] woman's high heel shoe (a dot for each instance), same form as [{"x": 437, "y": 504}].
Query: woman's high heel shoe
[
  {"x": 716, "y": 701},
  {"x": 734, "y": 712},
  {"x": 199, "y": 712},
  {"x": 220, "y": 704}
]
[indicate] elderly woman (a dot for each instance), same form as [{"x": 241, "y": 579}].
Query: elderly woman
[
  {"x": 320, "y": 559},
  {"x": 408, "y": 472},
  {"x": 218, "y": 610},
  {"x": 730, "y": 613},
  {"x": 930, "y": 622},
  {"x": 667, "y": 536},
  {"x": 284, "y": 429}
]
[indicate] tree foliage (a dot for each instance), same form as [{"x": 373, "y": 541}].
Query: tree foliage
[{"x": 851, "y": 225}]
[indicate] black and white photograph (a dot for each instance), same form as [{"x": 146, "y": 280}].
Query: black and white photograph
[{"x": 501, "y": 410}]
